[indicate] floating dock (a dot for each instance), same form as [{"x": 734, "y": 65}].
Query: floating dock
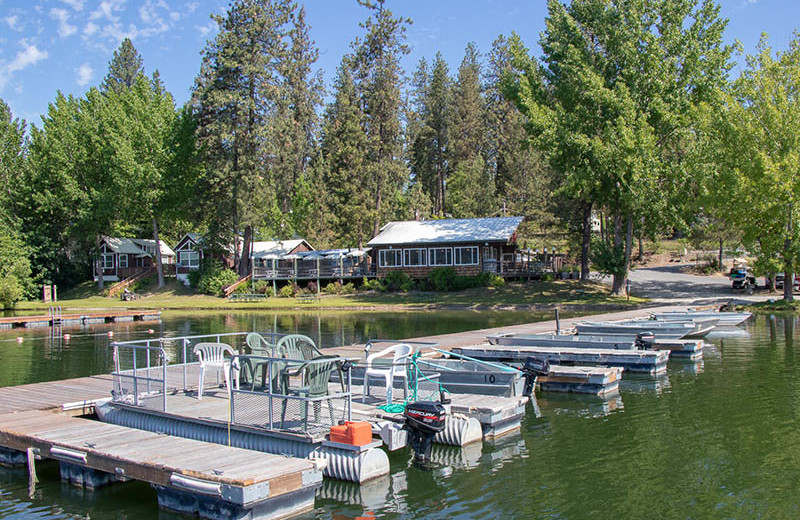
[
  {"x": 642, "y": 361},
  {"x": 12, "y": 322},
  {"x": 599, "y": 381},
  {"x": 210, "y": 480}
]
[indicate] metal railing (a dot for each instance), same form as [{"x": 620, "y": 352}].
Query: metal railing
[
  {"x": 312, "y": 272},
  {"x": 148, "y": 372}
]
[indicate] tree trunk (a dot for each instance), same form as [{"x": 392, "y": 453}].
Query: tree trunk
[
  {"x": 788, "y": 260},
  {"x": 159, "y": 263},
  {"x": 719, "y": 263},
  {"x": 586, "y": 240},
  {"x": 619, "y": 280},
  {"x": 244, "y": 262},
  {"x": 100, "y": 280}
]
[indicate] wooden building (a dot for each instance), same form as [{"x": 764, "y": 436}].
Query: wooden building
[
  {"x": 121, "y": 258},
  {"x": 470, "y": 246}
]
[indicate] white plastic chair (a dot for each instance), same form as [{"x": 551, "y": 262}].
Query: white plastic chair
[
  {"x": 400, "y": 354},
  {"x": 212, "y": 356}
]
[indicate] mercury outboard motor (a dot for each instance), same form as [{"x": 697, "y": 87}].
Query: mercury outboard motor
[
  {"x": 423, "y": 420},
  {"x": 645, "y": 340},
  {"x": 533, "y": 368}
]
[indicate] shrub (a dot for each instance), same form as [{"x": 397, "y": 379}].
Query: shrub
[
  {"x": 496, "y": 281},
  {"x": 442, "y": 279},
  {"x": 211, "y": 278},
  {"x": 373, "y": 285},
  {"x": 287, "y": 291},
  {"x": 10, "y": 291},
  {"x": 333, "y": 288},
  {"x": 311, "y": 287},
  {"x": 398, "y": 281},
  {"x": 263, "y": 287},
  {"x": 548, "y": 277},
  {"x": 348, "y": 288}
]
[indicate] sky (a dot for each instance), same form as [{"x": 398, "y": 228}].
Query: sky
[{"x": 48, "y": 46}]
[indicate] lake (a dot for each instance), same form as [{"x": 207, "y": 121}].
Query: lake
[{"x": 715, "y": 439}]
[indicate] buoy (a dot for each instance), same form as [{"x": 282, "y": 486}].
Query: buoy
[
  {"x": 20, "y": 339},
  {"x": 66, "y": 337},
  {"x": 110, "y": 333},
  {"x": 150, "y": 331}
]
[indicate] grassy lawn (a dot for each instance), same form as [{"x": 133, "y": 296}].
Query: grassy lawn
[{"x": 531, "y": 294}]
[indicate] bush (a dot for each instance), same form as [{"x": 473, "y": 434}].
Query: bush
[
  {"x": 398, "y": 281},
  {"x": 348, "y": 288},
  {"x": 263, "y": 287},
  {"x": 287, "y": 291},
  {"x": 11, "y": 291},
  {"x": 311, "y": 288},
  {"x": 333, "y": 288},
  {"x": 496, "y": 281},
  {"x": 372, "y": 285},
  {"x": 211, "y": 278},
  {"x": 548, "y": 277},
  {"x": 442, "y": 279}
]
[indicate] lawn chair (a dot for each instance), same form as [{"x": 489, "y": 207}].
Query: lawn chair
[
  {"x": 314, "y": 376},
  {"x": 400, "y": 354},
  {"x": 212, "y": 356},
  {"x": 298, "y": 346},
  {"x": 259, "y": 347}
]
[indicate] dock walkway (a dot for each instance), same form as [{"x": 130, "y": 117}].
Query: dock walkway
[
  {"x": 11, "y": 322},
  {"x": 193, "y": 477}
]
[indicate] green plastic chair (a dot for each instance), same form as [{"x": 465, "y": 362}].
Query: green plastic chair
[
  {"x": 259, "y": 347},
  {"x": 314, "y": 377},
  {"x": 298, "y": 346}
]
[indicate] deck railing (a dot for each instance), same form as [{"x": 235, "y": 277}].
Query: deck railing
[
  {"x": 148, "y": 372},
  {"x": 311, "y": 272}
]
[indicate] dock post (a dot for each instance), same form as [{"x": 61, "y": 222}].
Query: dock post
[
  {"x": 32, "y": 479},
  {"x": 558, "y": 323}
]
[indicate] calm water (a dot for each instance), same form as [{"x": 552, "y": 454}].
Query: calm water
[{"x": 717, "y": 439}]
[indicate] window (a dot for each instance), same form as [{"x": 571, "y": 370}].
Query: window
[
  {"x": 189, "y": 258},
  {"x": 440, "y": 256},
  {"x": 413, "y": 257},
  {"x": 390, "y": 258},
  {"x": 123, "y": 260},
  {"x": 466, "y": 255},
  {"x": 108, "y": 260}
]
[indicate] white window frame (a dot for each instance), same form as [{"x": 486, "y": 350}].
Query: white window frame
[
  {"x": 190, "y": 255},
  {"x": 432, "y": 256},
  {"x": 457, "y": 253},
  {"x": 123, "y": 265},
  {"x": 420, "y": 251},
  {"x": 396, "y": 253},
  {"x": 106, "y": 258}
]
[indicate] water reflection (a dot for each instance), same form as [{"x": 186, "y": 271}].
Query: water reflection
[
  {"x": 578, "y": 405},
  {"x": 641, "y": 384}
]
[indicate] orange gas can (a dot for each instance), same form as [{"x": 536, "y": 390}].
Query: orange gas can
[{"x": 357, "y": 433}]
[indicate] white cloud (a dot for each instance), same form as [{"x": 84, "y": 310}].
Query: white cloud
[
  {"x": 204, "y": 30},
  {"x": 90, "y": 29},
  {"x": 13, "y": 22},
  {"x": 25, "y": 58},
  {"x": 85, "y": 74},
  {"x": 192, "y": 6},
  {"x": 28, "y": 56},
  {"x": 77, "y": 5},
  {"x": 64, "y": 27}
]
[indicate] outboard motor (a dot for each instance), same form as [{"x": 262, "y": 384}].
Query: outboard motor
[
  {"x": 533, "y": 368},
  {"x": 423, "y": 420},
  {"x": 645, "y": 340}
]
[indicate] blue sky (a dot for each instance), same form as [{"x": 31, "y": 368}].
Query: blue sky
[{"x": 50, "y": 45}]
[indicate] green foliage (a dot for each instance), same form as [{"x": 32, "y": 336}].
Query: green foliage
[
  {"x": 333, "y": 288},
  {"x": 10, "y": 291},
  {"x": 608, "y": 258},
  {"x": 442, "y": 279},
  {"x": 125, "y": 66},
  {"x": 397, "y": 281},
  {"x": 211, "y": 277},
  {"x": 348, "y": 288},
  {"x": 287, "y": 291},
  {"x": 373, "y": 284},
  {"x": 445, "y": 279},
  {"x": 263, "y": 287}
]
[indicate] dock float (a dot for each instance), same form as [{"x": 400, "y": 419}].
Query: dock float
[
  {"x": 192, "y": 477},
  {"x": 12, "y": 322},
  {"x": 599, "y": 381},
  {"x": 642, "y": 361}
]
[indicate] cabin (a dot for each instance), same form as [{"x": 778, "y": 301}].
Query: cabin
[
  {"x": 270, "y": 257},
  {"x": 470, "y": 246},
  {"x": 121, "y": 258}
]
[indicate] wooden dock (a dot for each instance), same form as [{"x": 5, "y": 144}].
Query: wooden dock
[
  {"x": 192, "y": 477},
  {"x": 11, "y": 322},
  {"x": 599, "y": 381}
]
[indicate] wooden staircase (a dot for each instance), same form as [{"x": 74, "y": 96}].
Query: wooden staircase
[
  {"x": 228, "y": 290},
  {"x": 127, "y": 282}
]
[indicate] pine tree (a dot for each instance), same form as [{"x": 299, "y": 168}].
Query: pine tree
[
  {"x": 344, "y": 154},
  {"x": 124, "y": 67},
  {"x": 236, "y": 95},
  {"x": 378, "y": 77}
]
